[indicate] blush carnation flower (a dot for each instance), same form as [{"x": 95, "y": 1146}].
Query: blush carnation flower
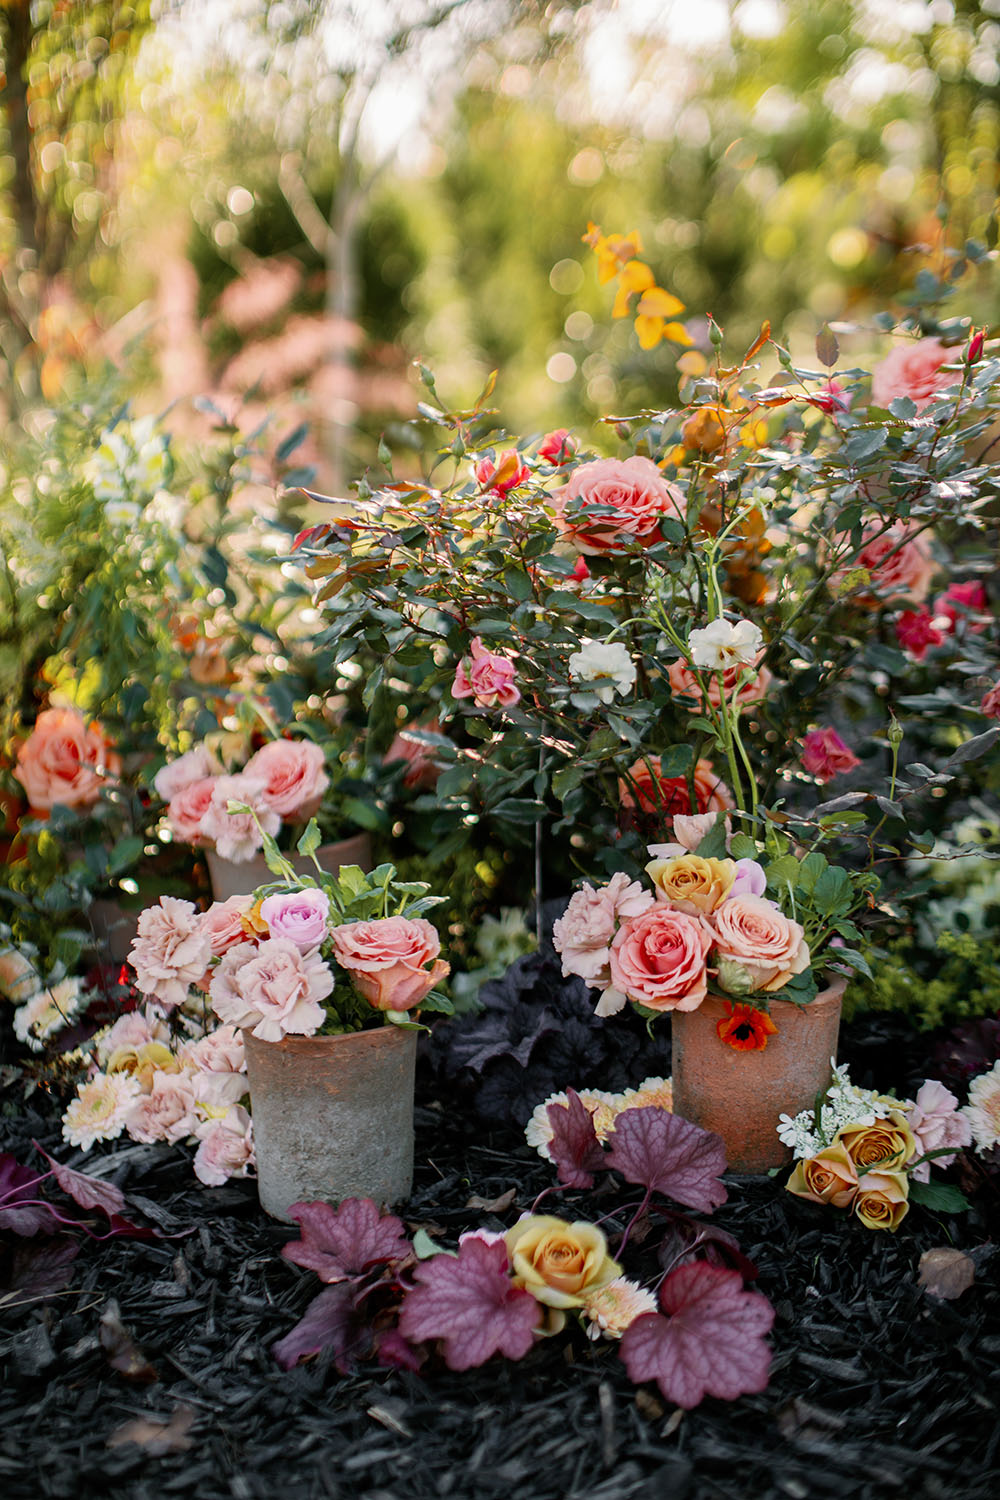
[
  {"x": 223, "y": 923},
  {"x": 171, "y": 950},
  {"x": 582, "y": 936},
  {"x": 100, "y": 1109},
  {"x": 601, "y": 1105},
  {"x": 225, "y": 1149},
  {"x": 983, "y": 1109},
  {"x": 166, "y": 1113},
  {"x": 271, "y": 987}
]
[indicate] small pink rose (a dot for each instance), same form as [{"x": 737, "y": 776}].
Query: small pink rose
[
  {"x": 659, "y": 959},
  {"x": 612, "y": 503},
  {"x": 194, "y": 765},
  {"x": 684, "y": 686},
  {"x": 916, "y": 630},
  {"x": 557, "y": 447},
  {"x": 824, "y": 755},
  {"x": 899, "y": 563},
  {"x": 504, "y": 475},
  {"x": 422, "y": 771},
  {"x": 386, "y": 960},
  {"x": 292, "y": 776},
  {"x": 913, "y": 370},
  {"x": 964, "y": 604},
  {"x": 990, "y": 704},
  {"x": 187, "y": 808},
  {"x": 301, "y": 916},
  {"x": 223, "y": 923},
  {"x": 236, "y": 836},
  {"x": 486, "y": 677},
  {"x": 768, "y": 947}
]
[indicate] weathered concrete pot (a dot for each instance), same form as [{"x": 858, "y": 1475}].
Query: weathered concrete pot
[
  {"x": 230, "y": 879},
  {"x": 332, "y": 1117},
  {"x": 740, "y": 1095}
]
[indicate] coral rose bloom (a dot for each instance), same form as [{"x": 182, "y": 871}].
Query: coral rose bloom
[
  {"x": 385, "y": 960},
  {"x": 753, "y": 935},
  {"x": 612, "y": 502},
  {"x": 64, "y": 761},
  {"x": 824, "y": 755},
  {"x": 668, "y": 795},
  {"x": 913, "y": 370},
  {"x": 659, "y": 960},
  {"x": 292, "y": 775},
  {"x": 899, "y": 563}
]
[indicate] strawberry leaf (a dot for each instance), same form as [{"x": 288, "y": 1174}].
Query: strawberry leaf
[
  {"x": 669, "y": 1155},
  {"x": 338, "y": 1243},
  {"x": 331, "y": 1321},
  {"x": 468, "y": 1302},
  {"x": 574, "y": 1146},
  {"x": 710, "y": 1344}
]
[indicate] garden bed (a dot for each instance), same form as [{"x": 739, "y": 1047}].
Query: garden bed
[{"x": 877, "y": 1388}]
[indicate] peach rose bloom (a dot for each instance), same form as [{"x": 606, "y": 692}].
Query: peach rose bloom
[
  {"x": 828, "y": 1177},
  {"x": 223, "y": 924},
  {"x": 385, "y": 960},
  {"x": 292, "y": 776},
  {"x": 659, "y": 960},
  {"x": 881, "y": 1201},
  {"x": 560, "y": 1264},
  {"x": 760, "y": 940},
  {"x": 914, "y": 370},
  {"x": 64, "y": 761},
  {"x": 692, "y": 884},
  {"x": 668, "y": 795},
  {"x": 900, "y": 565},
  {"x": 612, "y": 502},
  {"x": 187, "y": 808},
  {"x": 684, "y": 686}
]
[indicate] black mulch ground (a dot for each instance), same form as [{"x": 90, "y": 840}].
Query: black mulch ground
[{"x": 878, "y": 1391}]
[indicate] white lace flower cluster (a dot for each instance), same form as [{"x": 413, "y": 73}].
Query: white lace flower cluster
[{"x": 843, "y": 1104}]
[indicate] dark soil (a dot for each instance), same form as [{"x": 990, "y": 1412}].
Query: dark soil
[{"x": 878, "y": 1391}]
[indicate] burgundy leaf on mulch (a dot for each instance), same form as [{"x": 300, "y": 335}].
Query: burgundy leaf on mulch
[
  {"x": 39, "y": 1271},
  {"x": 87, "y": 1191},
  {"x": 331, "y": 1321},
  {"x": 397, "y": 1353},
  {"x": 20, "y": 1212},
  {"x": 691, "y": 1240},
  {"x": 341, "y": 1242},
  {"x": 124, "y": 1354},
  {"x": 574, "y": 1146},
  {"x": 669, "y": 1155},
  {"x": 712, "y": 1342},
  {"x": 468, "y": 1302}
]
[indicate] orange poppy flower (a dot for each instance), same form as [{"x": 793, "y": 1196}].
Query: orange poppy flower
[{"x": 745, "y": 1028}]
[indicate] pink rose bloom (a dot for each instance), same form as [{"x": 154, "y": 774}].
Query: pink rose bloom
[
  {"x": 556, "y": 447},
  {"x": 488, "y": 680},
  {"x": 936, "y": 1122},
  {"x": 194, "y": 765},
  {"x": 65, "y": 761},
  {"x": 916, "y": 630},
  {"x": 422, "y": 771},
  {"x": 504, "y": 475},
  {"x": 301, "y": 916},
  {"x": 385, "y": 960},
  {"x": 223, "y": 923},
  {"x": 831, "y": 397},
  {"x": 582, "y": 935},
  {"x": 684, "y": 685},
  {"x": 668, "y": 795},
  {"x": 913, "y": 370},
  {"x": 292, "y": 775},
  {"x": 990, "y": 704},
  {"x": 235, "y": 835},
  {"x": 965, "y": 603},
  {"x": 219, "y": 1051},
  {"x": 170, "y": 951},
  {"x": 166, "y": 1113},
  {"x": 659, "y": 959},
  {"x": 612, "y": 502},
  {"x": 226, "y": 1148},
  {"x": 273, "y": 988},
  {"x": 899, "y": 563},
  {"x": 186, "y": 810},
  {"x": 824, "y": 754},
  {"x": 760, "y": 941}
]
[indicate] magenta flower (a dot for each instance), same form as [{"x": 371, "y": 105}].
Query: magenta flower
[
  {"x": 824, "y": 755},
  {"x": 486, "y": 677}
]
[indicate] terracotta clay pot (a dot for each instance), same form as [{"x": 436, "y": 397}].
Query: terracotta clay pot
[
  {"x": 332, "y": 1117},
  {"x": 229, "y": 879},
  {"x": 740, "y": 1095}
]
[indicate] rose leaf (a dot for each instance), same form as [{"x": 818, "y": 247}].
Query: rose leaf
[
  {"x": 710, "y": 1344},
  {"x": 331, "y": 1321},
  {"x": 469, "y": 1303},
  {"x": 574, "y": 1146},
  {"x": 669, "y": 1155},
  {"x": 341, "y": 1242}
]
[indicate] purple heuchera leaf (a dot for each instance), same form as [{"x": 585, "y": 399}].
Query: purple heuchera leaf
[
  {"x": 38, "y": 1271},
  {"x": 20, "y": 1212},
  {"x": 469, "y": 1303},
  {"x": 712, "y": 1342},
  {"x": 330, "y": 1321},
  {"x": 397, "y": 1353},
  {"x": 574, "y": 1146},
  {"x": 669, "y": 1155},
  {"x": 89, "y": 1192},
  {"x": 341, "y": 1242}
]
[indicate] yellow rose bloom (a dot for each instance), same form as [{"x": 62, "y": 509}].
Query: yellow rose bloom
[
  {"x": 881, "y": 1201},
  {"x": 828, "y": 1177},
  {"x": 142, "y": 1062},
  {"x": 560, "y": 1264},
  {"x": 693, "y": 884},
  {"x": 883, "y": 1146}
]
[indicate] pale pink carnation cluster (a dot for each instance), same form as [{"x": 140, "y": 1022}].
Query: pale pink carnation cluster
[
  {"x": 272, "y": 988},
  {"x": 284, "y": 780},
  {"x": 170, "y": 952}
]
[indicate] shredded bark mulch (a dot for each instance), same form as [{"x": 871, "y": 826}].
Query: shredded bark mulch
[{"x": 878, "y": 1389}]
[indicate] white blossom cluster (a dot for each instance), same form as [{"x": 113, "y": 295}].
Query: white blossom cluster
[
  {"x": 843, "y": 1104},
  {"x": 130, "y": 464}
]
